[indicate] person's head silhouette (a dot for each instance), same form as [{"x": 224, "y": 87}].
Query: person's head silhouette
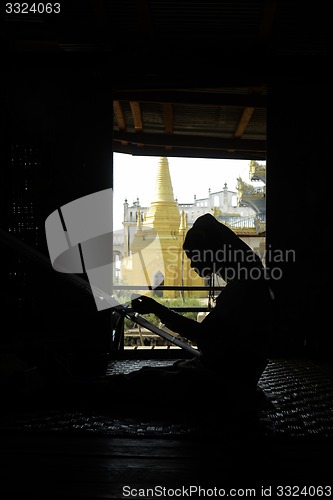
[{"x": 212, "y": 247}]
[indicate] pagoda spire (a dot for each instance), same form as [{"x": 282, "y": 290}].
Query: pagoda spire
[
  {"x": 183, "y": 222},
  {"x": 163, "y": 213},
  {"x": 163, "y": 187},
  {"x": 139, "y": 222}
]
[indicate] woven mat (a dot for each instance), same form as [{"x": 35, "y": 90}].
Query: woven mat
[{"x": 300, "y": 393}]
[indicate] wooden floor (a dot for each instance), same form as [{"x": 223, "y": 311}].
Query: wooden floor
[{"x": 90, "y": 455}]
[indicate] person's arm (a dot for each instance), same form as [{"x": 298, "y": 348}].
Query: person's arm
[{"x": 186, "y": 327}]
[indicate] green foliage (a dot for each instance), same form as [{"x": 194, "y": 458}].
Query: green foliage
[{"x": 171, "y": 303}]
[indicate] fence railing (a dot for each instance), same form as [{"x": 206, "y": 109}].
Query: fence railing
[{"x": 118, "y": 323}]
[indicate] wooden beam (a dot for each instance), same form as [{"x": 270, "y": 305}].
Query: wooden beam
[
  {"x": 136, "y": 112},
  {"x": 243, "y": 122},
  {"x": 192, "y": 97},
  {"x": 179, "y": 152},
  {"x": 137, "y": 119},
  {"x": 119, "y": 116},
  {"x": 191, "y": 141}
]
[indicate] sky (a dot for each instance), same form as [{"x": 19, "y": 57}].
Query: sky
[{"x": 135, "y": 177}]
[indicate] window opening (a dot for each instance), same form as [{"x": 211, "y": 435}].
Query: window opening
[{"x": 153, "y": 212}]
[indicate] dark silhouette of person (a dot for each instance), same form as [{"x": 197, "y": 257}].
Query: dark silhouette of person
[{"x": 233, "y": 339}]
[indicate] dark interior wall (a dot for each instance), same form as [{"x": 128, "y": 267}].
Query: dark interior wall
[
  {"x": 63, "y": 114},
  {"x": 66, "y": 113},
  {"x": 298, "y": 210}
]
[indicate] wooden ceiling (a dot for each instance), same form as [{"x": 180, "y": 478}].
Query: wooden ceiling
[
  {"x": 214, "y": 123},
  {"x": 188, "y": 78}
]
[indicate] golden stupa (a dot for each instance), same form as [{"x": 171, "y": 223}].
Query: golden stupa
[{"x": 157, "y": 257}]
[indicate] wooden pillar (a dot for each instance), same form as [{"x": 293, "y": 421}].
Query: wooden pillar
[{"x": 298, "y": 214}]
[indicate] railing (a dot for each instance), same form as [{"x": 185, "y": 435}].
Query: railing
[{"x": 118, "y": 326}]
